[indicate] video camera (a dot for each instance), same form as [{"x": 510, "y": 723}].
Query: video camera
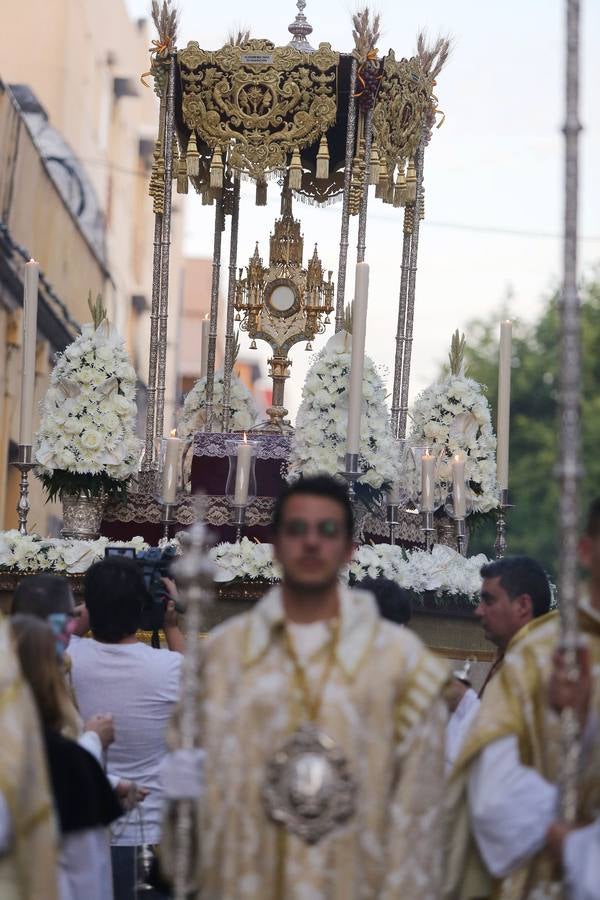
[{"x": 155, "y": 564}]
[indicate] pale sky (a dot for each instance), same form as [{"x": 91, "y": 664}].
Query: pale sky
[{"x": 495, "y": 166}]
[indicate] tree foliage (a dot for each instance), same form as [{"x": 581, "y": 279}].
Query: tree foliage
[{"x": 534, "y": 431}]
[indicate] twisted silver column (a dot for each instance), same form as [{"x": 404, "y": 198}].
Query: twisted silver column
[
  {"x": 570, "y": 431},
  {"x": 411, "y": 289},
  {"x": 165, "y": 251},
  {"x": 345, "y": 228},
  {"x": 364, "y": 203},
  {"x": 409, "y": 216},
  {"x": 229, "y": 335},
  {"x": 214, "y": 312}
]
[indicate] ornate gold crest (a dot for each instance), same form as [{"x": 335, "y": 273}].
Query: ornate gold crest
[
  {"x": 403, "y": 107},
  {"x": 262, "y": 101}
]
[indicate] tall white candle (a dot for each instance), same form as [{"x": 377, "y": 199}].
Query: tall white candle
[
  {"x": 204, "y": 347},
  {"x": 427, "y": 481},
  {"x": 242, "y": 472},
  {"x": 459, "y": 499},
  {"x": 359, "y": 331},
  {"x": 171, "y": 468},
  {"x": 503, "y": 423},
  {"x": 30, "y": 307}
]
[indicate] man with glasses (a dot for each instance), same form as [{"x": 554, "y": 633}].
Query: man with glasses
[{"x": 322, "y": 727}]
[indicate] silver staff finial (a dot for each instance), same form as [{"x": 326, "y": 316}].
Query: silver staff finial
[{"x": 299, "y": 29}]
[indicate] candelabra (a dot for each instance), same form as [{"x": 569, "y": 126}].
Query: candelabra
[
  {"x": 500, "y": 545},
  {"x": 24, "y": 463}
]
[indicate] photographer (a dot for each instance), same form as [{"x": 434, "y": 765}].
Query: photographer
[{"x": 140, "y": 685}]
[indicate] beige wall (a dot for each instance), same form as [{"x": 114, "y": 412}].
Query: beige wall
[
  {"x": 68, "y": 52},
  {"x": 75, "y": 48}
]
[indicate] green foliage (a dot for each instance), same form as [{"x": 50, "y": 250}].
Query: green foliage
[
  {"x": 534, "y": 421},
  {"x": 60, "y": 482}
]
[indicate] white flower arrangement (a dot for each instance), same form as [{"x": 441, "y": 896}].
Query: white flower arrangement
[
  {"x": 87, "y": 437},
  {"x": 319, "y": 441},
  {"x": 31, "y": 553},
  {"x": 443, "y": 571},
  {"x": 243, "y": 408},
  {"x": 454, "y": 413},
  {"x": 247, "y": 559}
]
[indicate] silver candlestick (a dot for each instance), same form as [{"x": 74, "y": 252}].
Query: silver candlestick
[
  {"x": 24, "y": 463},
  {"x": 461, "y": 535},
  {"x": 500, "y": 545},
  {"x": 351, "y": 474},
  {"x": 393, "y": 519},
  {"x": 239, "y": 520},
  {"x": 167, "y": 519},
  {"x": 428, "y": 529}
]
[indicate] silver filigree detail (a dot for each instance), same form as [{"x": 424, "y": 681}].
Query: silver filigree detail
[{"x": 309, "y": 788}]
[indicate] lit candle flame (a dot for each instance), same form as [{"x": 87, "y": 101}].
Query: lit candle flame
[
  {"x": 173, "y": 432},
  {"x": 245, "y": 438}
]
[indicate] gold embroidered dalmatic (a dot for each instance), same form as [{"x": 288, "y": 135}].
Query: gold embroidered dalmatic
[
  {"x": 516, "y": 703},
  {"x": 29, "y": 870},
  {"x": 382, "y": 706}
]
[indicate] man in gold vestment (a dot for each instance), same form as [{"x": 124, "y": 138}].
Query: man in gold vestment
[
  {"x": 28, "y": 840},
  {"x": 314, "y": 665},
  {"x": 503, "y": 795}
]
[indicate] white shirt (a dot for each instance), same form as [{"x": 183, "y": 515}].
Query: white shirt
[
  {"x": 308, "y": 638},
  {"x": 511, "y": 805},
  {"x": 581, "y": 860},
  {"x": 139, "y": 686},
  {"x": 458, "y": 725}
]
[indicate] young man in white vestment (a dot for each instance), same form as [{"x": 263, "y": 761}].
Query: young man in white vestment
[
  {"x": 503, "y": 794},
  {"x": 323, "y": 731}
]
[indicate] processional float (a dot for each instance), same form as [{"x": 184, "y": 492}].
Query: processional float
[{"x": 317, "y": 126}]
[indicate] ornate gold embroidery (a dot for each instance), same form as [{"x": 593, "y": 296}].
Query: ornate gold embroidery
[
  {"x": 404, "y": 106},
  {"x": 263, "y": 101}
]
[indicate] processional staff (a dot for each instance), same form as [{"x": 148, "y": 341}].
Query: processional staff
[
  {"x": 193, "y": 572},
  {"x": 569, "y": 408}
]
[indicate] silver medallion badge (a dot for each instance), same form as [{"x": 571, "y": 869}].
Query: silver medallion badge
[{"x": 309, "y": 788}]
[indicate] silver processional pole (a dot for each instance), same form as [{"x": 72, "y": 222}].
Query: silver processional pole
[{"x": 570, "y": 438}]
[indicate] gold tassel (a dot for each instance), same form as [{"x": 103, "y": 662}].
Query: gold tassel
[
  {"x": 193, "y": 157},
  {"x": 383, "y": 181},
  {"x": 261, "y": 193},
  {"x": 400, "y": 188},
  {"x": 295, "y": 171},
  {"x": 374, "y": 173},
  {"x": 323, "y": 160},
  {"x": 182, "y": 178},
  {"x": 411, "y": 182},
  {"x": 217, "y": 168}
]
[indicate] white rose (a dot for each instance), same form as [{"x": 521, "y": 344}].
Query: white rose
[
  {"x": 91, "y": 439},
  {"x": 120, "y": 404}
]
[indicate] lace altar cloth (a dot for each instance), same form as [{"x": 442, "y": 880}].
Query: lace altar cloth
[{"x": 142, "y": 513}]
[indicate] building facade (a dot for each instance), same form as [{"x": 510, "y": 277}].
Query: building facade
[{"x": 77, "y": 128}]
